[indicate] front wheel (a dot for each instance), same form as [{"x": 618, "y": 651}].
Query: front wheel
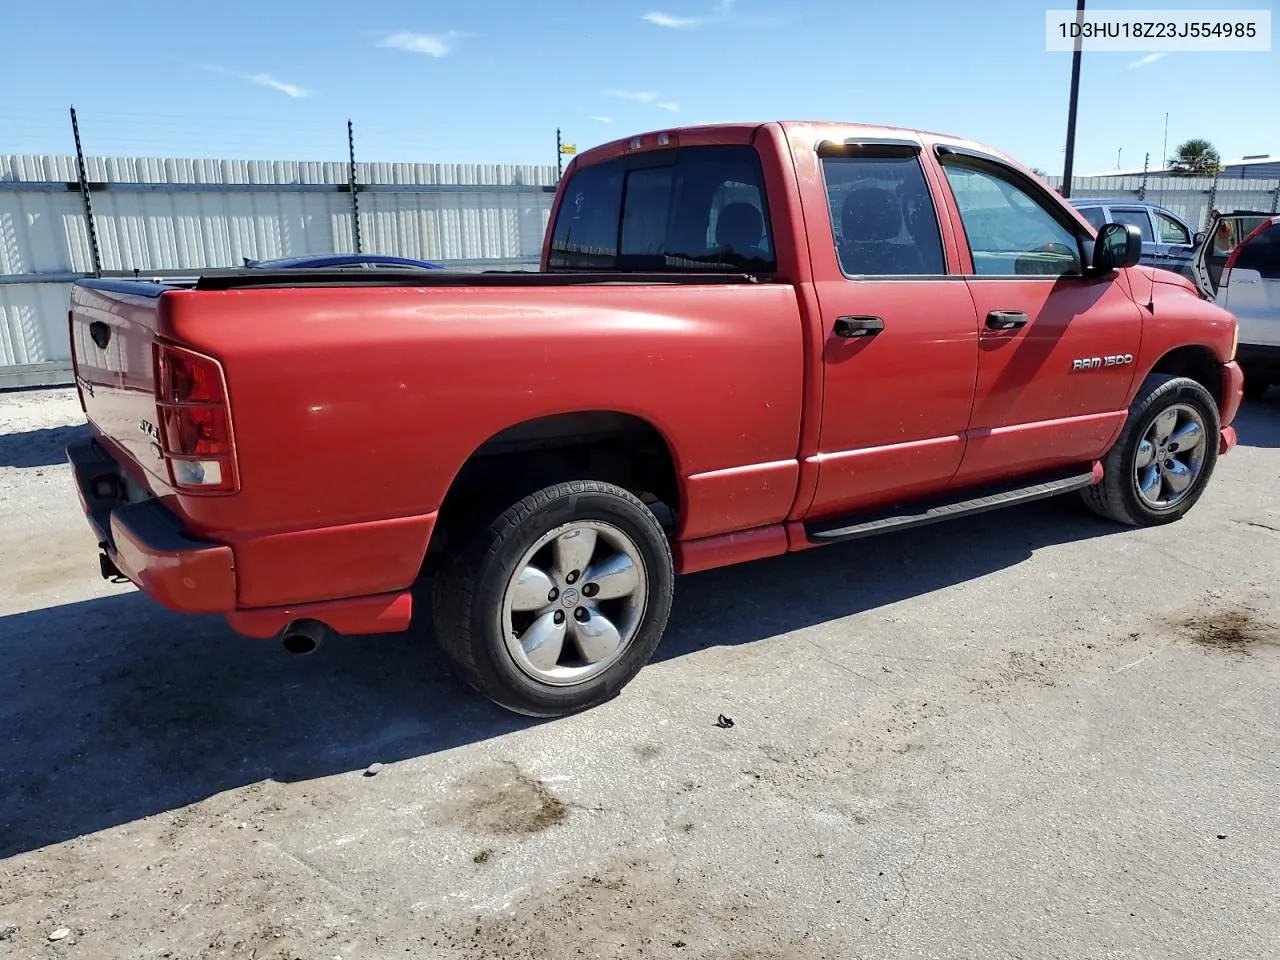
[
  {"x": 1164, "y": 457},
  {"x": 557, "y": 603}
]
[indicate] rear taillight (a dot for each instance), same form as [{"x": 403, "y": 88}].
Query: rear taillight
[{"x": 195, "y": 421}]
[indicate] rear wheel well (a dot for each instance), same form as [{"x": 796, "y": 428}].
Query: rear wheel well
[
  {"x": 1198, "y": 363},
  {"x": 611, "y": 447}
]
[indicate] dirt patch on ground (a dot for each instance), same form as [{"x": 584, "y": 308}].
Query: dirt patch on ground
[
  {"x": 1235, "y": 630},
  {"x": 502, "y": 800},
  {"x": 1021, "y": 668},
  {"x": 627, "y": 908}
]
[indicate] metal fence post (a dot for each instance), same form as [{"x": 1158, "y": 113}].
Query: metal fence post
[
  {"x": 559, "y": 157},
  {"x": 1275, "y": 198},
  {"x": 351, "y": 185},
  {"x": 1142, "y": 190},
  {"x": 1213, "y": 201},
  {"x": 83, "y": 176}
]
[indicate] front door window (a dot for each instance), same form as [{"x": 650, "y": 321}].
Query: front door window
[{"x": 1010, "y": 234}]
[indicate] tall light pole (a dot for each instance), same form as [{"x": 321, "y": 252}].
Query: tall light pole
[{"x": 1075, "y": 98}]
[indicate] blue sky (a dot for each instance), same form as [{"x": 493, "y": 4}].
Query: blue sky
[{"x": 491, "y": 80}]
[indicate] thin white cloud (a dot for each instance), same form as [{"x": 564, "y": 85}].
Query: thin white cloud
[
  {"x": 428, "y": 44},
  {"x": 723, "y": 11},
  {"x": 261, "y": 79},
  {"x": 1149, "y": 58},
  {"x": 602, "y": 119},
  {"x": 290, "y": 89},
  {"x": 646, "y": 96},
  {"x": 672, "y": 22},
  {"x": 639, "y": 96}
]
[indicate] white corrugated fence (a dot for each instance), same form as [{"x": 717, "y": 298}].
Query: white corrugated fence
[{"x": 154, "y": 214}]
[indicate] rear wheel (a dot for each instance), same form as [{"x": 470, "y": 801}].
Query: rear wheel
[
  {"x": 557, "y": 603},
  {"x": 1164, "y": 457}
]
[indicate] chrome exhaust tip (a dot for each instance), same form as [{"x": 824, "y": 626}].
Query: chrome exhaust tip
[{"x": 303, "y": 636}]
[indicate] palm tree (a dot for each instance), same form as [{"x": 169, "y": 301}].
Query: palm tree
[{"x": 1195, "y": 158}]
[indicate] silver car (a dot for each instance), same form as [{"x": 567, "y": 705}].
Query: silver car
[{"x": 1237, "y": 264}]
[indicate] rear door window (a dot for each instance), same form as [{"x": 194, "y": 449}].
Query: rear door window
[
  {"x": 1135, "y": 217},
  {"x": 883, "y": 216},
  {"x": 1096, "y": 216},
  {"x": 689, "y": 209}
]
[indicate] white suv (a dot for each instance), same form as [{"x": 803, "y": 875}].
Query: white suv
[{"x": 1238, "y": 265}]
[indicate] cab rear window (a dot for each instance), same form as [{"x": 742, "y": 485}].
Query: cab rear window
[{"x": 689, "y": 209}]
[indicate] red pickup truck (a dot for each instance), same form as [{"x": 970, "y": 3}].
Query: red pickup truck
[{"x": 744, "y": 340}]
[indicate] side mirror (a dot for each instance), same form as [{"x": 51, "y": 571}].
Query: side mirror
[
  {"x": 1199, "y": 237},
  {"x": 1118, "y": 245}
]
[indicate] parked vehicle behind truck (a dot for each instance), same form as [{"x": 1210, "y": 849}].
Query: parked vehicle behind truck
[
  {"x": 1168, "y": 241},
  {"x": 745, "y": 340},
  {"x": 1238, "y": 266}
]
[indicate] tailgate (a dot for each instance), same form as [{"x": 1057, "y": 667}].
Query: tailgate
[{"x": 113, "y": 326}]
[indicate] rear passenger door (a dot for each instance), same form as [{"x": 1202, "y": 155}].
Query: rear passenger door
[
  {"x": 1057, "y": 349},
  {"x": 900, "y": 348}
]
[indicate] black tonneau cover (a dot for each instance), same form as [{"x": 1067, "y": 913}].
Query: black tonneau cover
[
  {"x": 242, "y": 279},
  {"x": 143, "y": 284}
]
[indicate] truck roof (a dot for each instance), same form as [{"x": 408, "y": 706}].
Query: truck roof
[{"x": 743, "y": 132}]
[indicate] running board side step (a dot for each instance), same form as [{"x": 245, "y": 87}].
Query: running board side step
[{"x": 922, "y": 514}]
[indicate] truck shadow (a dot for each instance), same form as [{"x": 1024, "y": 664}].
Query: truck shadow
[
  {"x": 114, "y": 709},
  {"x": 1258, "y": 422},
  {"x": 38, "y": 448}
]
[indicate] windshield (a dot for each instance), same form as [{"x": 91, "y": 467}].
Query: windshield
[{"x": 691, "y": 209}]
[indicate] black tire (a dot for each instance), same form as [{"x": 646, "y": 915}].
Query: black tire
[
  {"x": 1255, "y": 387},
  {"x": 469, "y": 593},
  {"x": 1116, "y": 497}
]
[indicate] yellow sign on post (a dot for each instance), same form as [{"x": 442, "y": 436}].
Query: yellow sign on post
[{"x": 569, "y": 148}]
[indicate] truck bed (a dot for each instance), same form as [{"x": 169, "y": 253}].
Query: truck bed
[{"x": 354, "y": 398}]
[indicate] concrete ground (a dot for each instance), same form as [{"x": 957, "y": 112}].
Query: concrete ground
[{"x": 1023, "y": 736}]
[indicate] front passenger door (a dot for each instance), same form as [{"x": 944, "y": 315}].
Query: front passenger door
[{"x": 1056, "y": 349}]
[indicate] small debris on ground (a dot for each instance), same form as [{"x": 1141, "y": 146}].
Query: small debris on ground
[
  {"x": 373, "y": 770},
  {"x": 7, "y": 931},
  {"x": 723, "y": 722},
  {"x": 60, "y": 934}
]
